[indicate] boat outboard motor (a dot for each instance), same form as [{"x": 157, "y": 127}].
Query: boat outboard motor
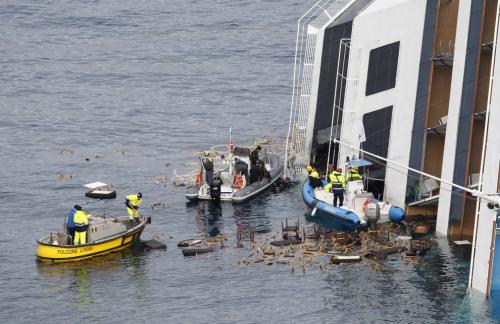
[
  {"x": 215, "y": 187},
  {"x": 372, "y": 214}
]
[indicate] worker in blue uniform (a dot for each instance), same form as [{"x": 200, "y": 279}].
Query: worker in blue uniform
[{"x": 70, "y": 223}]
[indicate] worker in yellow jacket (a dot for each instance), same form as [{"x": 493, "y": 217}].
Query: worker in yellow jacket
[
  {"x": 337, "y": 186},
  {"x": 353, "y": 174},
  {"x": 81, "y": 224},
  {"x": 314, "y": 179},
  {"x": 133, "y": 202}
]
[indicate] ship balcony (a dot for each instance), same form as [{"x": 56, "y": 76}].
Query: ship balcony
[
  {"x": 439, "y": 129},
  {"x": 444, "y": 59}
]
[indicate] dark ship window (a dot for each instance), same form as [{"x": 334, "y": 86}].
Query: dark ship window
[{"x": 382, "y": 68}]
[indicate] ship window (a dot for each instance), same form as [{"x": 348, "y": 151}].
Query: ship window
[
  {"x": 382, "y": 68},
  {"x": 377, "y": 126}
]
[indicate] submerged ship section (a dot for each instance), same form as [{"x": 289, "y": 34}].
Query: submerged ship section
[{"x": 411, "y": 82}]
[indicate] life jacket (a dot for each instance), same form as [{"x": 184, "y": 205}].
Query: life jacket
[
  {"x": 198, "y": 179},
  {"x": 134, "y": 200},
  {"x": 353, "y": 175},
  {"x": 81, "y": 221},
  {"x": 238, "y": 182},
  {"x": 337, "y": 181}
]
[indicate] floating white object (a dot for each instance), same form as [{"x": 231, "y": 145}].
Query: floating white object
[
  {"x": 464, "y": 242},
  {"x": 95, "y": 185},
  {"x": 100, "y": 190}
]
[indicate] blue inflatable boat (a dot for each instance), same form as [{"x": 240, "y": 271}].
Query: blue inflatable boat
[{"x": 346, "y": 217}]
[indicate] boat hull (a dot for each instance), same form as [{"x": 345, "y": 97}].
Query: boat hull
[
  {"x": 65, "y": 253},
  {"x": 246, "y": 193},
  {"x": 255, "y": 188},
  {"x": 343, "y": 217}
]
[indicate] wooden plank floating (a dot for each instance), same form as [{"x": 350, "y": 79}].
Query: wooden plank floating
[
  {"x": 286, "y": 242},
  {"x": 337, "y": 259},
  {"x": 383, "y": 253},
  {"x": 189, "y": 251},
  {"x": 189, "y": 242}
]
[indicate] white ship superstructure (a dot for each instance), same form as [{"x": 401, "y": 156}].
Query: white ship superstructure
[{"x": 411, "y": 81}]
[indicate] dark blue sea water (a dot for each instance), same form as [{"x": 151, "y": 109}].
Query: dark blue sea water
[{"x": 135, "y": 87}]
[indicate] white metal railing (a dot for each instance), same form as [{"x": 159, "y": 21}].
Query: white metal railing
[
  {"x": 320, "y": 15},
  {"x": 351, "y": 120},
  {"x": 339, "y": 94}
]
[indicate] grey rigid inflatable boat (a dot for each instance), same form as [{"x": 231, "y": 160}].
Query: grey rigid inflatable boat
[{"x": 241, "y": 193}]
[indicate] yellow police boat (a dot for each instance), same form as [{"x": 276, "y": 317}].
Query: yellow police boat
[{"x": 104, "y": 235}]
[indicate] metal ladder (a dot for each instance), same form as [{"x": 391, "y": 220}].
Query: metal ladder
[{"x": 320, "y": 15}]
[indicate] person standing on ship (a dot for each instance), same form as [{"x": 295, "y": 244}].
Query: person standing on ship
[
  {"x": 353, "y": 174},
  {"x": 70, "y": 222},
  {"x": 314, "y": 179},
  {"x": 263, "y": 173},
  {"x": 240, "y": 167},
  {"x": 208, "y": 165},
  {"x": 254, "y": 156},
  {"x": 337, "y": 187},
  {"x": 133, "y": 202},
  {"x": 81, "y": 224},
  {"x": 255, "y": 175}
]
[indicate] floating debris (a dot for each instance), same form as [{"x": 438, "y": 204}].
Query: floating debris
[
  {"x": 120, "y": 151},
  {"x": 63, "y": 177},
  {"x": 286, "y": 242},
  {"x": 220, "y": 239},
  {"x": 332, "y": 248},
  {"x": 190, "y": 251},
  {"x": 158, "y": 205},
  {"x": 160, "y": 178},
  {"x": 62, "y": 151},
  {"x": 194, "y": 247},
  {"x": 421, "y": 230},
  {"x": 382, "y": 253},
  {"x": 464, "y": 242},
  {"x": 189, "y": 242},
  {"x": 325, "y": 249},
  {"x": 178, "y": 183},
  {"x": 154, "y": 244}
]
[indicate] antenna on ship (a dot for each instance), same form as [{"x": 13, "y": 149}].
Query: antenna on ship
[{"x": 231, "y": 149}]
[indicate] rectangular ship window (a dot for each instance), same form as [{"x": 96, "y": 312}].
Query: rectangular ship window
[
  {"x": 382, "y": 68},
  {"x": 377, "y": 126}
]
